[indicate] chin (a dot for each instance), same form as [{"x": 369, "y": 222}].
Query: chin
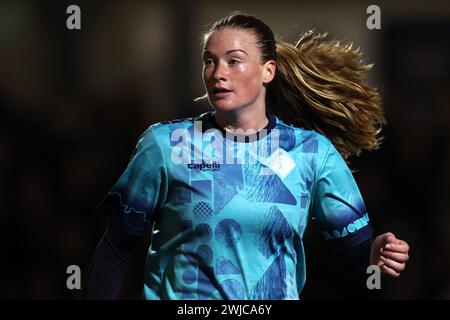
[{"x": 220, "y": 105}]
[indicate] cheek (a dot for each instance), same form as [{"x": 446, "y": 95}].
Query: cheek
[
  {"x": 250, "y": 80},
  {"x": 205, "y": 75}
]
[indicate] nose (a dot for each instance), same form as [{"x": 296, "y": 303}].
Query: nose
[{"x": 220, "y": 72}]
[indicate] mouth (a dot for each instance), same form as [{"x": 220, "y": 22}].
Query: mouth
[{"x": 221, "y": 92}]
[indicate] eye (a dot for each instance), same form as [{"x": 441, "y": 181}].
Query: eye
[
  {"x": 234, "y": 61},
  {"x": 208, "y": 62}
]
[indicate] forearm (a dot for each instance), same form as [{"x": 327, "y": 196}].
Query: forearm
[
  {"x": 110, "y": 263},
  {"x": 357, "y": 259}
]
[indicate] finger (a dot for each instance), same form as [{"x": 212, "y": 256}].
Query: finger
[
  {"x": 389, "y": 271},
  {"x": 397, "y": 266},
  {"x": 403, "y": 243},
  {"x": 402, "y": 248},
  {"x": 396, "y": 256},
  {"x": 389, "y": 237}
]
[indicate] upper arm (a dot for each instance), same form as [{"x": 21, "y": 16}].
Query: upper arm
[
  {"x": 139, "y": 191},
  {"x": 338, "y": 206}
]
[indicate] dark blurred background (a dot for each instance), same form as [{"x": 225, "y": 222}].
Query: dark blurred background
[{"x": 73, "y": 103}]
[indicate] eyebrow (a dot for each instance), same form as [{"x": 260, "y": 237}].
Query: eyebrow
[{"x": 206, "y": 52}]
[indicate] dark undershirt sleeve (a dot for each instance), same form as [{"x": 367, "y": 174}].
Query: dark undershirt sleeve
[
  {"x": 131, "y": 204},
  {"x": 110, "y": 263},
  {"x": 357, "y": 259}
]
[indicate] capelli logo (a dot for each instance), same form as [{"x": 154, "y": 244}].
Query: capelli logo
[{"x": 204, "y": 166}]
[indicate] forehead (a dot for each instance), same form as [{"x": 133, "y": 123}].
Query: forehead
[{"x": 228, "y": 38}]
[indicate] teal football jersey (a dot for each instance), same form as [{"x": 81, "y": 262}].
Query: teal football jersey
[{"x": 230, "y": 211}]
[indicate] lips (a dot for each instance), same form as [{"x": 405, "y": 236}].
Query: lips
[{"x": 220, "y": 92}]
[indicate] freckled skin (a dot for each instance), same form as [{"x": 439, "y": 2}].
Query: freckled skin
[{"x": 243, "y": 73}]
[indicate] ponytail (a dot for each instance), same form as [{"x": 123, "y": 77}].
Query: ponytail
[{"x": 319, "y": 85}]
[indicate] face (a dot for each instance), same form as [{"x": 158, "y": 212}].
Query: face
[{"x": 233, "y": 73}]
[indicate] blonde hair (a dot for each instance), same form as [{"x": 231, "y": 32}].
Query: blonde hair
[{"x": 320, "y": 85}]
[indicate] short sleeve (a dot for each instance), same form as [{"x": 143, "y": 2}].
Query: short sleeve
[
  {"x": 337, "y": 204},
  {"x": 140, "y": 191}
]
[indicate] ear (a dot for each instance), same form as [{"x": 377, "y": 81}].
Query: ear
[{"x": 269, "y": 69}]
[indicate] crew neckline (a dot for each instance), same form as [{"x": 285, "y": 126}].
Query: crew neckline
[{"x": 260, "y": 134}]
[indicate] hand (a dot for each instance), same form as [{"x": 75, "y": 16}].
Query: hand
[{"x": 389, "y": 253}]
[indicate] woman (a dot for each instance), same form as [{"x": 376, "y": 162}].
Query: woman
[{"x": 229, "y": 193}]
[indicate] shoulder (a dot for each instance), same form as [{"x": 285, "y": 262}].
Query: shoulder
[
  {"x": 308, "y": 141},
  {"x": 162, "y": 129}
]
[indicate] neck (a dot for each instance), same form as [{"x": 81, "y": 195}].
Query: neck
[{"x": 250, "y": 122}]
